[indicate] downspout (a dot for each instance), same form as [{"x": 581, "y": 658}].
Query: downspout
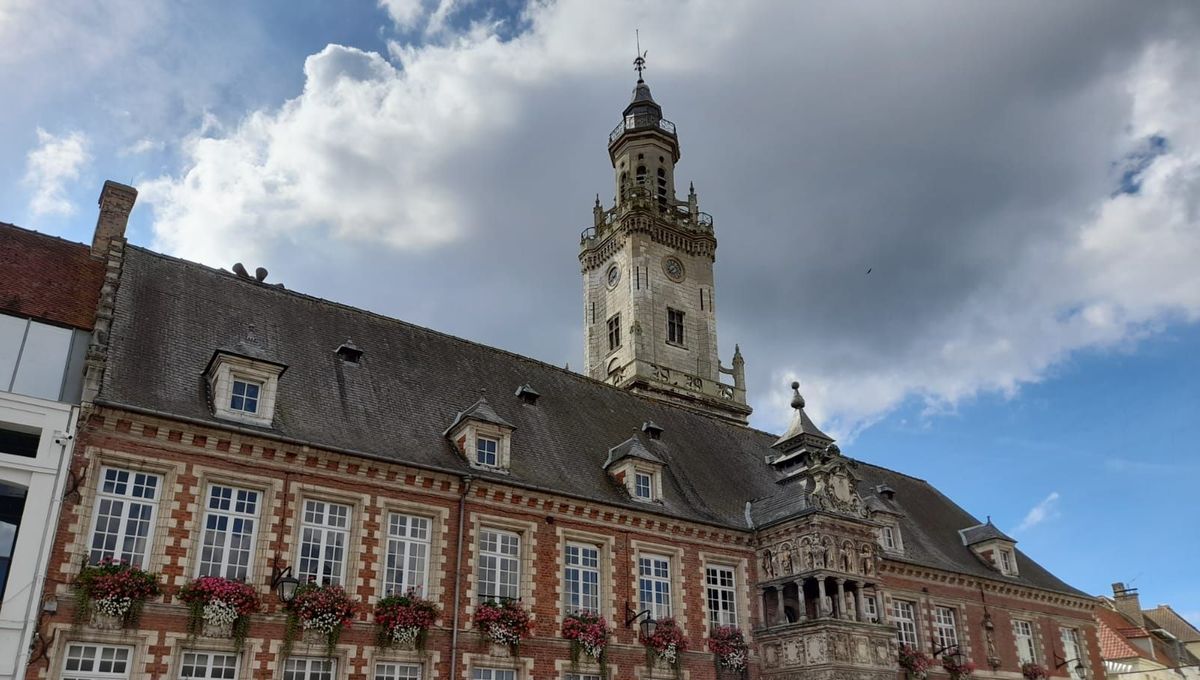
[{"x": 462, "y": 505}]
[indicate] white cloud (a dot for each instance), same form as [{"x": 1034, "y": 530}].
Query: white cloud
[
  {"x": 404, "y": 13},
  {"x": 1046, "y": 509},
  {"x": 141, "y": 146},
  {"x": 977, "y": 188},
  {"x": 56, "y": 161}
]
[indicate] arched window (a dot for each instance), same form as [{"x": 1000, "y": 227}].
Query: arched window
[
  {"x": 641, "y": 175},
  {"x": 12, "y": 506},
  {"x": 662, "y": 187}
]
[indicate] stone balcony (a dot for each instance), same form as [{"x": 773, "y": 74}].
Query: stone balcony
[{"x": 828, "y": 649}]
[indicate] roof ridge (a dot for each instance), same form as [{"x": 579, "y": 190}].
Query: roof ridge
[
  {"x": 359, "y": 310},
  {"x": 44, "y": 235}
]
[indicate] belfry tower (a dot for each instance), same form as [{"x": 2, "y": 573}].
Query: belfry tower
[{"x": 649, "y": 306}]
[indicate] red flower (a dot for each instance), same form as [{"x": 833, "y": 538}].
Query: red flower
[{"x": 241, "y": 596}]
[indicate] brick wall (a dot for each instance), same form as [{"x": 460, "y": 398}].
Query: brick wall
[{"x": 190, "y": 458}]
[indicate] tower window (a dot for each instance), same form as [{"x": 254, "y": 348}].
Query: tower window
[
  {"x": 641, "y": 174},
  {"x": 675, "y": 326},
  {"x": 614, "y": 332}
]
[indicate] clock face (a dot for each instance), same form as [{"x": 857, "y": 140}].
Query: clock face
[
  {"x": 673, "y": 268},
  {"x": 614, "y": 275}
]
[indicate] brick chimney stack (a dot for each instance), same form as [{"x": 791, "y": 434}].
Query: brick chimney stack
[
  {"x": 1127, "y": 602},
  {"x": 116, "y": 202}
]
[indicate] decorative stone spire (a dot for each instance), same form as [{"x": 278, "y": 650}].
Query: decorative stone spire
[{"x": 802, "y": 431}]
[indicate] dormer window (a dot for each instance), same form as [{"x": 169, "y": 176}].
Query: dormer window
[
  {"x": 992, "y": 546},
  {"x": 243, "y": 388},
  {"x": 633, "y": 464},
  {"x": 245, "y": 395},
  {"x": 643, "y": 486},
  {"x": 1006, "y": 561},
  {"x": 482, "y": 437},
  {"x": 487, "y": 451},
  {"x": 889, "y": 538}
]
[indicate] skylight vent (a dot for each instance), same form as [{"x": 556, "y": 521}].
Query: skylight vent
[
  {"x": 885, "y": 491},
  {"x": 349, "y": 352},
  {"x": 652, "y": 431},
  {"x": 527, "y": 394}
]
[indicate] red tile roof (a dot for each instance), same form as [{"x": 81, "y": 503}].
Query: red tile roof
[{"x": 48, "y": 278}]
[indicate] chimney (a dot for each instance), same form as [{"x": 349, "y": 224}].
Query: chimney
[
  {"x": 116, "y": 202},
  {"x": 1127, "y": 602}
]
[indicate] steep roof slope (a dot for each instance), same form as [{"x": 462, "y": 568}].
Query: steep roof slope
[
  {"x": 411, "y": 382},
  {"x": 47, "y": 278}
]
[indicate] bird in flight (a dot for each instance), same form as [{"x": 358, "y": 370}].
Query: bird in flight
[{"x": 869, "y": 269}]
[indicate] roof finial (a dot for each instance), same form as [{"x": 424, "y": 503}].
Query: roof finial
[
  {"x": 639, "y": 62},
  {"x": 797, "y": 400}
]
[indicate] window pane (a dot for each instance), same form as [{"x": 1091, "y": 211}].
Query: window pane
[{"x": 43, "y": 361}]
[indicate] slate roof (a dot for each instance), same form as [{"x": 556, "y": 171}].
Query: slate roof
[
  {"x": 1163, "y": 616},
  {"x": 633, "y": 447},
  {"x": 48, "y": 278},
  {"x": 984, "y": 532},
  {"x": 481, "y": 411},
  {"x": 411, "y": 382}
]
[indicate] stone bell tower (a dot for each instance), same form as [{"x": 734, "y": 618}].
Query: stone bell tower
[{"x": 649, "y": 304}]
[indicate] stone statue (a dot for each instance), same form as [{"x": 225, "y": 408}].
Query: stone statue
[
  {"x": 785, "y": 561},
  {"x": 768, "y": 565}
]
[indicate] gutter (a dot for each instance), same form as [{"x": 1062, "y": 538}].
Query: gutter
[{"x": 462, "y": 505}]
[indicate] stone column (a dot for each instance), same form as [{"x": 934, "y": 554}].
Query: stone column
[
  {"x": 780, "y": 614},
  {"x": 821, "y": 597},
  {"x": 802, "y": 604},
  {"x": 841, "y": 597},
  {"x": 859, "y": 609}
]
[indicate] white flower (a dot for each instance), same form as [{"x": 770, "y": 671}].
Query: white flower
[
  {"x": 405, "y": 635},
  {"x": 116, "y": 607},
  {"x": 220, "y": 613}
]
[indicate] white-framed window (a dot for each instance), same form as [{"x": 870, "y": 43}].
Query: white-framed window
[
  {"x": 904, "y": 615},
  {"x": 96, "y": 662},
  {"x": 654, "y": 585},
  {"x": 580, "y": 676},
  {"x": 499, "y": 565},
  {"x": 1023, "y": 634},
  {"x": 244, "y": 395},
  {"x": 126, "y": 507},
  {"x": 1072, "y": 651},
  {"x": 581, "y": 574},
  {"x": 1006, "y": 561},
  {"x": 324, "y": 533},
  {"x": 397, "y": 671},
  {"x": 945, "y": 627},
  {"x": 888, "y": 534},
  {"x": 871, "y": 604},
  {"x": 643, "y": 486},
  {"x": 230, "y": 520},
  {"x": 208, "y": 665},
  {"x": 493, "y": 674},
  {"x": 309, "y": 668},
  {"x": 721, "y": 592},
  {"x": 406, "y": 566},
  {"x": 487, "y": 451}
]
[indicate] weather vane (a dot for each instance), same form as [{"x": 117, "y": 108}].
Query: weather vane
[{"x": 639, "y": 63}]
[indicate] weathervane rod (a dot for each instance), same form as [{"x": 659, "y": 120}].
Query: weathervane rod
[{"x": 639, "y": 62}]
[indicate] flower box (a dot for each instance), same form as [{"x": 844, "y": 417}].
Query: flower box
[
  {"x": 111, "y": 593},
  {"x": 588, "y": 633},
  {"x": 503, "y": 622},
  {"x": 403, "y": 620},
  {"x": 319, "y": 614},
  {"x": 220, "y": 608}
]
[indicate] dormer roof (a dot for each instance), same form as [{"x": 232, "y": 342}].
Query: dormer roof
[
  {"x": 983, "y": 532},
  {"x": 631, "y": 448},
  {"x": 480, "y": 411}
]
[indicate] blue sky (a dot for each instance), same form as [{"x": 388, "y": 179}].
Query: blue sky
[{"x": 1021, "y": 179}]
